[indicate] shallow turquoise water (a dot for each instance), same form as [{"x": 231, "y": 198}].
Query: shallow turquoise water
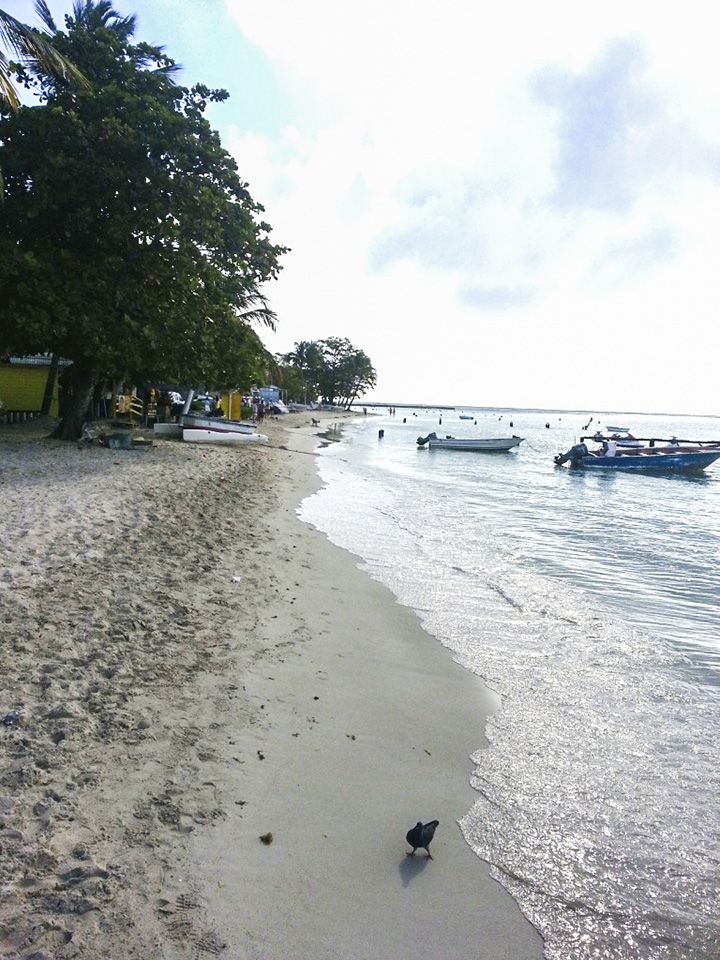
[{"x": 590, "y": 603}]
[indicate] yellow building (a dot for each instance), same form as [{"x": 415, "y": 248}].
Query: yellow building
[{"x": 23, "y": 382}]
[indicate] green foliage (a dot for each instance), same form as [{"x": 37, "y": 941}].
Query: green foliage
[
  {"x": 31, "y": 47},
  {"x": 331, "y": 369},
  {"x": 128, "y": 242}
]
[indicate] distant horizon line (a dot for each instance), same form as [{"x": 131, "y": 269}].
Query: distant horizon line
[{"x": 465, "y": 406}]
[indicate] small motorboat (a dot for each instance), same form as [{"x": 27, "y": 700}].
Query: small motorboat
[
  {"x": 624, "y": 439},
  {"x": 487, "y": 445},
  {"x": 226, "y": 439},
  {"x": 616, "y": 429},
  {"x": 466, "y": 416}
]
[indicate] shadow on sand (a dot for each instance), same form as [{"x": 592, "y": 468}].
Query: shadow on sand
[{"x": 409, "y": 867}]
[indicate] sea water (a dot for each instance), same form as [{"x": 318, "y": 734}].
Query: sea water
[{"x": 589, "y": 601}]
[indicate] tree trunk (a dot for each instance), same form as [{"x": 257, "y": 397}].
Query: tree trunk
[
  {"x": 76, "y": 413},
  {"x": 50, "y": 385}
]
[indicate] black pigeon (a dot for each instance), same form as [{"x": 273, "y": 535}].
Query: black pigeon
[{"x": 421, "y": 835}]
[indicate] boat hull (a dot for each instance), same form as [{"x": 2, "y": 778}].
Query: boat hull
[
  {"x": 168, "y": 429},
  {"x": 652, "y": 463},
  {"x": 217, "y": 424},
  {"x": 224, "y": 439}
]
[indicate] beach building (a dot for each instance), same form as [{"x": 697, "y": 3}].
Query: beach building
[
  {"x": 270, "y": 394},
  {"x": 29, "y": 386}
]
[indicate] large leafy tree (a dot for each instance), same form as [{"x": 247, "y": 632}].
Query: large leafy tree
[
  {"x": 129, "y": 244},
  {"x": 332, "y": 369},
  {"x": 347, "y": 371}
]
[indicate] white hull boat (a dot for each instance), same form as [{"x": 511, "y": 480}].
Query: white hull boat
[
  {"x": 226, "y": 439},
  {"x": 486, "y": 445},
  {"x": 192, "y": 421}
]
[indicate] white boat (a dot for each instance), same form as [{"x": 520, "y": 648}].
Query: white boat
[
  {"x": 193, "y": 421},
  {"x": 487, "y": 445},
  {"x": 227, "y": 438},
  {"x": 616, "y": 429},
  {"x": 168, "y": 429},
  {"x": 624, "y": 439}
]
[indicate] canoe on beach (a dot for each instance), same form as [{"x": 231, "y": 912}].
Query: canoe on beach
[
  {"x": 225, "y": 439},
  {"x": 191, "y": 421}
]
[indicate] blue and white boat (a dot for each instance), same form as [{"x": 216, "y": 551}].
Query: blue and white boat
[{"x": 672, "y": 457}]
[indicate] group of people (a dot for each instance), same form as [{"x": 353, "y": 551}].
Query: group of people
[{"x": 212, "y": 407}]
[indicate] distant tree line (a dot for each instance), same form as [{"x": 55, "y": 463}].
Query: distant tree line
[
  {"x": 129, "y": 244},
  {"x": 331, "y": 370}
]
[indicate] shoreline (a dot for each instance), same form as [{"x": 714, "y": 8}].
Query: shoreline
[{"x": 204, "y": 732}]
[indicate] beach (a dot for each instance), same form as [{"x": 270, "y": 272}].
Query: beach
[{"x": 194, "y": 669}]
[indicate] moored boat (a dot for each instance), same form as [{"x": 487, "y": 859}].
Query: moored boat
[
  {"x": 624, "y": 439},
  {"x": 480, "y": 445},
  {"x": 227, "y": 438},
  {"x": 192, "y": 421},
  {"x": 677, "y": 456}
]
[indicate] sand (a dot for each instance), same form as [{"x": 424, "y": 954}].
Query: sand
[{"x": 194, "y": 668}]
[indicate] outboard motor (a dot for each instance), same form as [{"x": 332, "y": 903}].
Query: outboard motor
[
  {"x": 421, "y": 441},
  {"x": 574, "y": 455}
]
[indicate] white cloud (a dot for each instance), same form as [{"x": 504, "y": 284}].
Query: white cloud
[{"x": 468, "y": 179}]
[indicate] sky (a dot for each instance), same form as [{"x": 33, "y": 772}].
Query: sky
[{"x": 511, "y": 204}]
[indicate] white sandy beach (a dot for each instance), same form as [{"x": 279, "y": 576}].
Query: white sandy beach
[{"x": 195, "y": 668}]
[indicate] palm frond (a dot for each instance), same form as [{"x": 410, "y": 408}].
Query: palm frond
[
  {"x": 259, "y": 314},
  {"x": 7, "y": 90},
  {"x": 31, "y": 46},
  {"x": 43, "y": 11},
  {"x": 94, "y": 14}
]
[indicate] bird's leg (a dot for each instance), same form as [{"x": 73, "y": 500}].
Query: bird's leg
[
  {"x": 430, "y": 856},
  {"x": 410, "y": 854}
]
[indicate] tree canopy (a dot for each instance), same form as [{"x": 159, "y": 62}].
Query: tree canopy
[
  {"x": 332, "y": 369},
  {"x": 129, "y": 243}
]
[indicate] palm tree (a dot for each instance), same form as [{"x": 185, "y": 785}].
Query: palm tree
[
  {"x": 95, "y": 14},
  {"x": 34, "y": 49},
  {"x": 307, "y": 358}
]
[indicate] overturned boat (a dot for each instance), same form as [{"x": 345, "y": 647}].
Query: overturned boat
[
  {"x": 479, "y": 445},
  {"x": 193, "y": 421}
]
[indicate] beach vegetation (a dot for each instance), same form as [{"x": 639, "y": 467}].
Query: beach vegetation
[
  {"x": 332, "y": 370},
  {"x": 129, "y": 244}
]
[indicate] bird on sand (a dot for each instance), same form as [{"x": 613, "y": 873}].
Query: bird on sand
[{"x": 421, "y": 835}]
